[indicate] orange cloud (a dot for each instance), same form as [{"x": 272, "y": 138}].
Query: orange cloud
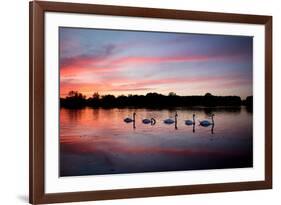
[{"x": 126, "y": 84}]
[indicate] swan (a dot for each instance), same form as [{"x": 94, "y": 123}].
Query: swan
[
  {"x": 206, "y": 123},
  {"x": 128, "y": 119},
  {"x": 151, "y": 121},
  {"x": 171, "y": 121},
  {"x": 191, "y": 122}
]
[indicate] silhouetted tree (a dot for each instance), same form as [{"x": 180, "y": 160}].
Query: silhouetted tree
[
  {"x": 72, "y": 93},
  {"x": 248, "y": 102},
  {"x": 96, "y": 96},
  {"x": 172, "y": 94},
  {"x": 208, "y": 95},
  {"x": 74, "y": 100},
  {"x": 108, "y": 100},
  {"x": 94, "y": 101}
]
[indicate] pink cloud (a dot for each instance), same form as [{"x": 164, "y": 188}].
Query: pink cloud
[
  {"x": 182, "y": 80},
  {"x": 74, "y": 70},
  {"x": 109, "y": 70},
  {"x": 84, "y": 64}
]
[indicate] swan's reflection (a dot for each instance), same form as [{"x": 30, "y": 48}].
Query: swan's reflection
[
  {"x": 212, "y": 129},
  {"x": 146, "y": 121},
  {"x": 176, "y": 126},
  {"x": 170, "y": 121},
  {"x": 133, "y": 120}
]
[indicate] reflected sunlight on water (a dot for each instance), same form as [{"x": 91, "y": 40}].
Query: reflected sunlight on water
[{"x": 98, "y": 141}]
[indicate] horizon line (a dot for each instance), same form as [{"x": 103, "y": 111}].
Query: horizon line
[{"x": 175, "y": 94}]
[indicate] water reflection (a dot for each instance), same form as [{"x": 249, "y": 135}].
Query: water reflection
[
  {"x": 97, "y": 141},
  {"x": 211, "y": 130},
  {"x": 193, "y": 128}
]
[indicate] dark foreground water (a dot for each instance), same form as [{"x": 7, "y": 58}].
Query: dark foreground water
[{"x": 98, "y": 141}]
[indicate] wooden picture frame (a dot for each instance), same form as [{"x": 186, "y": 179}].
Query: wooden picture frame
[{"x": 37, "y": 11}]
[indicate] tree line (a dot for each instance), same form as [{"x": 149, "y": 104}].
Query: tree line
[{"x": 74, "y": 99}]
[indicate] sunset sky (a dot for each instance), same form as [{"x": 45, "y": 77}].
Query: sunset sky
[{"x": 133, "y": 62}]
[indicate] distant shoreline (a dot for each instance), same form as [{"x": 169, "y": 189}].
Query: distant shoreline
[{"x": 153, "y": 100}]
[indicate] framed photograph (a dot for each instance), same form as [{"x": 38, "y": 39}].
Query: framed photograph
[{"x": 138, "y": 102}]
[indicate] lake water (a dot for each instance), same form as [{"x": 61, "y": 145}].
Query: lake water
[{"x": 98, "y": 141}]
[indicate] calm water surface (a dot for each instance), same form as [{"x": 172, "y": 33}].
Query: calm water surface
[{"x": 97, "y": 141}]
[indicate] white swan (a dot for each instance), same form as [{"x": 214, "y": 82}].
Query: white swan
[
  {"x": 128, "y": 119},
  {"x": 191, "y": 122},
  {"x": 151, "y": 121},
  {"x": 171, "y": 121},
  {"x": 206, "y": 123}
]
